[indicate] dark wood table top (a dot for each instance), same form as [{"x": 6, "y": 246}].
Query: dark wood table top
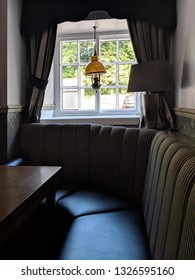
[{"x": 22, "y": 188}]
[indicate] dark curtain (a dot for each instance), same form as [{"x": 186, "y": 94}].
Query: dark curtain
[
  {"x": 152, "y": 43},
  {"x": 40, "y": 51}
]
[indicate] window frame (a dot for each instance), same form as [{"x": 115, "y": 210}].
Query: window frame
[{"x": 57, "y": 72}]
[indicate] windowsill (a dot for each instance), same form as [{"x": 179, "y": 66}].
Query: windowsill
[{"x": 132, "y": 120}]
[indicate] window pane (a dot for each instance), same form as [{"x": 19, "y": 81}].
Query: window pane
[
  {"x": 108, "y": 99},
  {"x": 108, "y": 51},
  {"x": 69, "y": 99},
  {"x": 126, "y": 51},
  {"x": 86, "y": 51},
  {"x": 109, "y": 78},
  {"x": 87, "y": 99},
  {"x": 69, "y": 76},
  {"x": 126, "y": 100},
  {"x": 85, "y": 80},
  {"x": 69, "y": 52},
  {"x": 124, "y": 71},
  {"x": 76, "y": 92}
]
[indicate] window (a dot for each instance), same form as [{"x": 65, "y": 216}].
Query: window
[{"x": 74, "y": 93}]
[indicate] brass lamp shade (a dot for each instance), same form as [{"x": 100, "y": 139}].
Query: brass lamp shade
[{"x": 94, "y": 66}]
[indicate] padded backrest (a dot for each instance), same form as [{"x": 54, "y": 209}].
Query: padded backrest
[
  {"x": 180, "y": 203},
  {"x": 154, "y": 168},
  {"x": 169, "y": 179},
  {"x": 186, "y": 249},
  {"x": 164, "y": 201},
  {"x": 99, "y": 156}
]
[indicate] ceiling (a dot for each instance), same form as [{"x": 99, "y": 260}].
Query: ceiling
[{"x": 86, "y": 26}]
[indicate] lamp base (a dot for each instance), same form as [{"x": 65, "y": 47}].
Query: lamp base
[{"x": 150, "y": 110}]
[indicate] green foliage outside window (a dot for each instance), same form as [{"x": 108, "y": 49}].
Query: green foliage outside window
[
  {"x": 108, "y": 51},
  {"x": 126, "y": 51},
  {"x": 108, "y": 56},
  {"x": 69, "y": 52},
  {"x": 86, "y": 51}
]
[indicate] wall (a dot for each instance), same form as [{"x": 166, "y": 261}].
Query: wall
[
  {"x": 15, "y": 57},
  {"x": 3, "y": 54},
  {"x": 12, "y": 76},
  {"x": 184, "y": 65}
]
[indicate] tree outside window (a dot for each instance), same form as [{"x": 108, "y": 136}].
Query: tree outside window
[{"x": 76, "y": 93}]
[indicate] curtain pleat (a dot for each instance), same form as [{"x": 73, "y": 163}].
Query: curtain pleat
[
  {"x": 40, "y": 51},
  {"x": 151, "y": 43}
]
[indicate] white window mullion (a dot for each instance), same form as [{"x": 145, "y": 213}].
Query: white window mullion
[
  {"x": 117, "y": 74},
  {"x": 60, "y": 76},
  {"x": 79, "y": 76},
  {"x": 80, "y": 88}
]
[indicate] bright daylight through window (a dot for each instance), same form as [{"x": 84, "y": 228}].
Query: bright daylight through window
[{"x": 74, "y": 91}]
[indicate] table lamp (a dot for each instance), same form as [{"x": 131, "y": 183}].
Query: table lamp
[{"x": 151, "y": 77}]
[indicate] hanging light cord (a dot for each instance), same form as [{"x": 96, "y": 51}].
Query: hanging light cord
[{"x": 95, "y": 43}]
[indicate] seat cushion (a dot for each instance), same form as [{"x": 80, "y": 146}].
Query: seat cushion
[
  {"x": 86, "y": 202},
  {"x": 67, "y": 190},
  {"x": 116, "y": 235}
]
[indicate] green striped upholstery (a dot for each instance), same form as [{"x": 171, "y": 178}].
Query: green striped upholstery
[
  {"x": 154, "y": 185},
  {"x": 183, "y": 188},
  {"x": 172, "y": 162},
  {"x": 186, "y": 249},
  {"x": 169, "y": 179},
  {"x": 96, "y": 156},
  {"x": 158, "y": 139}
]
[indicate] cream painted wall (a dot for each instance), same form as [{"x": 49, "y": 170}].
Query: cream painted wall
[
  {"x": 3, "y": 54},
  {"x": 184, "y": 56},
  {"x": 15, "y": 56},
  {"x": 12, "y": 56}
]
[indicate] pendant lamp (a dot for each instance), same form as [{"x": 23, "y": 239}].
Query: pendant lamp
[{"x": 95, "y": 68}]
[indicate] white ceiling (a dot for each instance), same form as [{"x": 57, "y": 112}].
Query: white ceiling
[{"x": 86, "y": 26}]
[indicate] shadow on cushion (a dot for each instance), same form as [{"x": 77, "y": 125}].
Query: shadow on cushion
[{"x": 86, "y": 202}]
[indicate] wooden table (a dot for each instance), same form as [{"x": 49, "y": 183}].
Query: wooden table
[{"x": 22, "y": 188}]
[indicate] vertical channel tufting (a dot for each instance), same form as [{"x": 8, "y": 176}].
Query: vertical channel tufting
[
  {"x": 67, "y": 151},
  {"x": 114, "y": 156},
  {"x": 156, "y": 144},
  {"x": 173, "y": 159},
  {"x": 186, "y": 250},
  {"x": 93, "y": 152},
  {"x": 51, "y": 144},
  {"x": 158, "y": 172},
  {"x": 105, "y": 145},
  {"x": 101, "y": 158},
  {"x": 142, "y": 153},
  {"x": 31, "y": 142},
  {"x": 82, "y": 169},
  {"x": 172, "y": 182},
  {"x": 127, "y": 163},
  {"x": 184, "y": 184}
]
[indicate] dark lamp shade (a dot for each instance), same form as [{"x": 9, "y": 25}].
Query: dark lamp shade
[
  {"x": 94, "y": 66},
  {"x": 151, "y": 76}
]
